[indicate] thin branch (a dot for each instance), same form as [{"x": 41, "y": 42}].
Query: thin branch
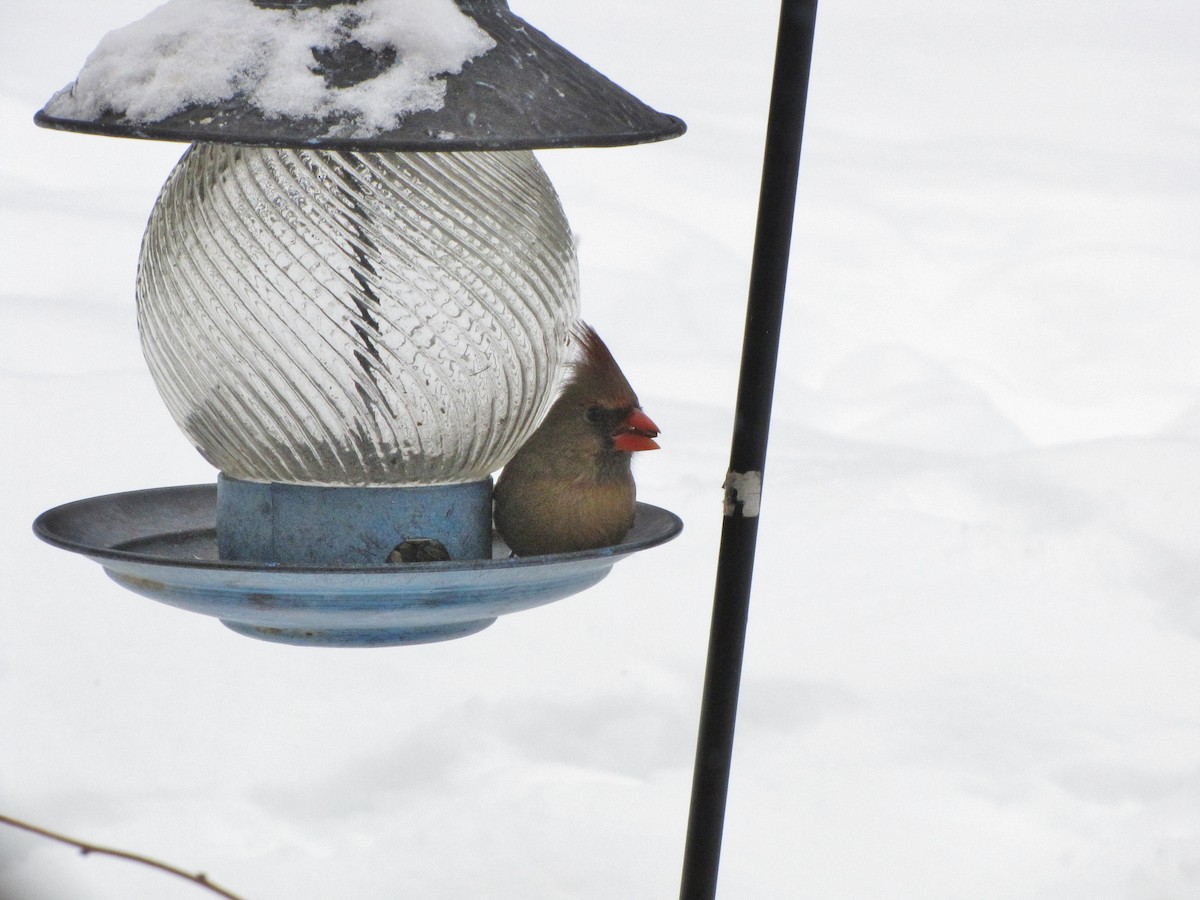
[{"x": 85, "y": 848}]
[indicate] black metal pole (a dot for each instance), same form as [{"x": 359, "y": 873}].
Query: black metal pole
[{"x": 760, "y": 352}]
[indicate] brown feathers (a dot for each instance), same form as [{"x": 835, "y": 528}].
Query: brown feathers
[
  {"x": 570, "y": 486},
  {"x": 596, "y": 369}
]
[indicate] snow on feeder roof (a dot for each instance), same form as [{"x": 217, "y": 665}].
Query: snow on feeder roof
[{"x": 369, "y": 75}]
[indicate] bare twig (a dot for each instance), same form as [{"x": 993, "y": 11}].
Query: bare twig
[{"x": 85, "y": 848}]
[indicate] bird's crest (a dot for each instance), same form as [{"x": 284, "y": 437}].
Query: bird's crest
[{"x": 595, "y": 368}]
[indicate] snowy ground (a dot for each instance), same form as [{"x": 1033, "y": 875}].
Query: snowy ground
[{"x": 973, "y": 667}]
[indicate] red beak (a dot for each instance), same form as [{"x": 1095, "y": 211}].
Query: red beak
[{"x": 637, "y": 432}]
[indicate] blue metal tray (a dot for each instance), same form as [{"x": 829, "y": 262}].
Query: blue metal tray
[{"x": 161, "y": 543}]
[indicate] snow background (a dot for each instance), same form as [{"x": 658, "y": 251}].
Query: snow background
[{"x": 973, "y": 666}]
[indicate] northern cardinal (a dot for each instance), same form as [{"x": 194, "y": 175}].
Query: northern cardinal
[{"x": 570, "y": 487}]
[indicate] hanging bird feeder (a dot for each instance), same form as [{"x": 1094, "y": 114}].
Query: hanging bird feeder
[{"x": 354, "y": 296}]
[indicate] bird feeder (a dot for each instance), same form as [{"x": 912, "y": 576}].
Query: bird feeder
[{"x": 354, "y": 296}]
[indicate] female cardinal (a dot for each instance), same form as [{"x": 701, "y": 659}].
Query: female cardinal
[{"x": 570, "y": 486}]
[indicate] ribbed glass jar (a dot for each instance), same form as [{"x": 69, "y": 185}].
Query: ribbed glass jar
[{"x": 338, "y": 318}]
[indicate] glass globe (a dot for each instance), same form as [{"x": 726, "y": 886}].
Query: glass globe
[{"x": 338, "y": 318}]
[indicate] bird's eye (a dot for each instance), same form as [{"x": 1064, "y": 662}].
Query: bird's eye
[{"x": 594, "y": 414}]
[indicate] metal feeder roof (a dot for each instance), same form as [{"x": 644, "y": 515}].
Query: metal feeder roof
[{"x": 527, "y": 92}]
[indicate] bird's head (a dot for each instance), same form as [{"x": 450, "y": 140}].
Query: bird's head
[{"x": 601, "y": 394}]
